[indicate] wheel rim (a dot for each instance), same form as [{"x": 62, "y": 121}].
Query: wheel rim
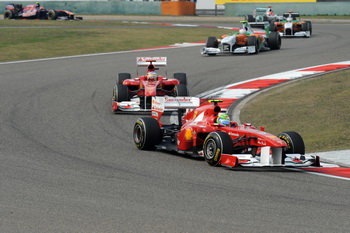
[
  {"x": 139, "y": 135},
  {"x": 210, "y": 149}
]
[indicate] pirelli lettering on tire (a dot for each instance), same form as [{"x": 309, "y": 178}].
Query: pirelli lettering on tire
[
  {"x": 217, "y": 154},
  {"x": 284, "y": 138}
]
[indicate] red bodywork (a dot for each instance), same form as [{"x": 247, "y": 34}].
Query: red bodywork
[
  {"x": 198, "y": 123},
  {"x": 141, "y": 87},
  {"x": 197, "y": 133}
]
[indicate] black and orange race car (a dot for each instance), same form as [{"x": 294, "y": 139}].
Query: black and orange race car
[
  {"x": 247, "y": 40},
  {"x": 35, "y": 11},
  {"x": 204, "y": 131},
  {"x": 135, "y": 94}
]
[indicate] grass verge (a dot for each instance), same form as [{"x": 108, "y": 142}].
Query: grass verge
[
  {"x": 44, "y": 39},
  {"x": 317, "y": 108}
]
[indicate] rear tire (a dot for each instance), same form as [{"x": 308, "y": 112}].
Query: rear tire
[
  {"x": 181, "y": 90},
  {"x": 122, "y": 77},
  {"x": 182, "y": 77},
  {"x": 249, "y": 18},
  {"x": 294, "y": 141},
  {"x": 52, "y": 15},
  {"x": 275, "y": 41},
  {"x": 147, "y": 133},
  {"x": 273, "y": 27},
  {"x": 216, "y": 144}
]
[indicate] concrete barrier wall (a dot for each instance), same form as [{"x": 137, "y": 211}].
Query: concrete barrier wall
[
  {"x": 317, "y": 8},
  {"x": 97, "y": 7}
]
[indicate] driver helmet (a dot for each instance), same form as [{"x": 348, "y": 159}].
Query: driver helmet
[
  {"x": 152, "y": 76},
  {"x": 223, "y": 120},
  {"x": 289, "y": 19},
  {"x": 242, "y": 31}
]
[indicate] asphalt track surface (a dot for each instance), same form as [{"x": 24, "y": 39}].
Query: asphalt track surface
[{"x": 67, "y": 164}]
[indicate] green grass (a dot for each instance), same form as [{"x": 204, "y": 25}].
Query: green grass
[
  {"x": 37, "y": 39},
  {"x": 317, "y": 108}
]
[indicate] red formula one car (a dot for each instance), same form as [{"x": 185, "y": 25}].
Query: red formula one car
[
  {"x": 204, "y": 132},
  {"x": 35, "y": 11},
  {"x": 135, "y": 94}
]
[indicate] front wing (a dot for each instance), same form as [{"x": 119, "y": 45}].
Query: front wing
[
  {"x": 214, "y": 51},
  {"x": 247, "y": 160},
  {"x": 296, "y": 34}
]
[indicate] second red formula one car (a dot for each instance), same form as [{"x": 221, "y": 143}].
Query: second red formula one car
[
  {"x": 205, "y": 132},
  {"x": 134, "y": 94}
]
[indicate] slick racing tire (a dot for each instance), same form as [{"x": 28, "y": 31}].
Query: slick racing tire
[
  {"x": 8, "y": 15},
  {"x": 122, "y": 77},
  {"x": 212, "y": 42},
  {"x": 310, "y": 26},
  {"x": 253, "y": 41},
  {"x": 120, "y": 93},
  {"x": 147, "y": 133},
  {"x": 182, "y": 77},
  {"x": 275, "y": 41},
  {"x": 181, "y": 90},
  {"x": 273, "y": 27},
  {"x": 52, "y": 15},
  {"x": 216, "y": 144},
  {"x": 307, "y": 26},
  {"x": 294, "y": 141},
  {"x": 249, "y": 18}
]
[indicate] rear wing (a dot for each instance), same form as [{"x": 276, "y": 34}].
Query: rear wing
[
  {"x": 292, "y": 14},
  {"x": 145, "y": 61},
  {"x": 261, "y": 9},
  {"x": 151, "y": 63},
  {"x": 161, "y": 103}
]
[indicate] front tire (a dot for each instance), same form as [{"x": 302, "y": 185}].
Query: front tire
[
  {"x": 212, "y": 42},
  {"x": 120, "y": 93},
  {"x": 253, "y": 41},
  {"x": 147, "y": 133},
  {"x": 8, "y": 14},
  {"x": 307, "y": 26},
  {"x": 182, "y": 77},
  {"x": 216, "y": 144},
  {"x": 294, "y": 141},
  {"x": 122, "y": 77}
]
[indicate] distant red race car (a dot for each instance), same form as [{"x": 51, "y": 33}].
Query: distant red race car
[
  {"x": 135, "y": 94},
  {"x": 203, "y": 131}
]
